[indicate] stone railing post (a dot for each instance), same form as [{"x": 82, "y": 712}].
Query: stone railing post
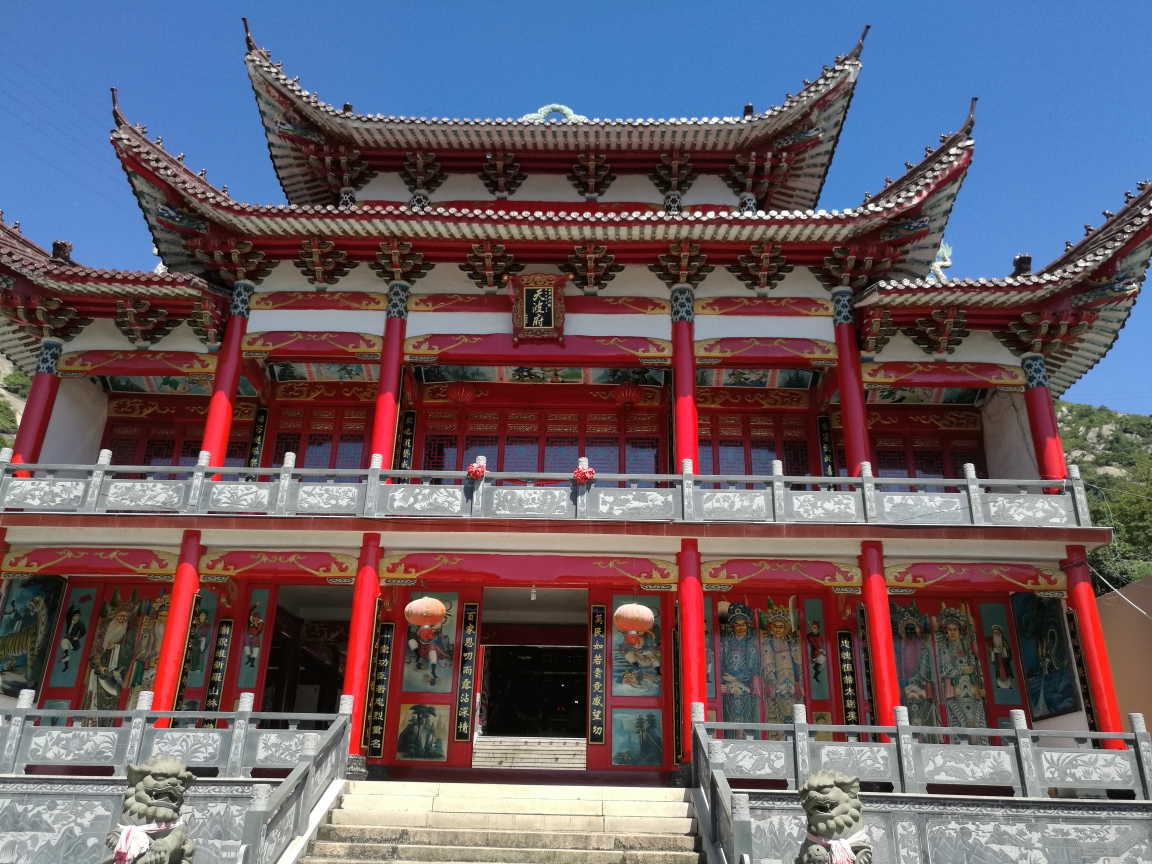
[
  {"x": 25, "y": 702},
  {"x": 779, "y": 510},
  {"x": 355, "y": 767},
  {"x": 716, "y": 805},
  {"x": 741, "y": 827},
  {"x": 582, "y": 489},
  {"x": 801, "y": 746},
  {"x": 905, "y": 749},
  {"x": 687, "y": 490},
  {"x": 698, "y": 763},
  {"x": 372, "y": 485},
  {"x": 283, "y": 481},
  {"x": 1079, "y": 497},
  {"x": 1026, "y": 752},
  {"x": 972, "y": 487},
  {"x": 196, "y": 483},
  {"x": 239, "y": 733},
  {"x": 96, "y": 482},
  {"x": 868, "y": 491},
  {"x": 1143, "y": 751},
  {"x": 136, "y": 732},
  {"x": 478, "y": 491}
]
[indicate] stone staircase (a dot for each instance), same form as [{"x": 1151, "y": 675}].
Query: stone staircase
[
  {"x": 511, "y": 824},
  {"x": 549, "y": 754}
]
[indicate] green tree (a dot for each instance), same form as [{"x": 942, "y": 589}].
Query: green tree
[
  {"x": 17, "y": 382},
  {"x": 8, "y": 422}
]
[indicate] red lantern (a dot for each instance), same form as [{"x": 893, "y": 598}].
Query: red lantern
[
  {"x": 628, "y": 395},
  {"x": 633, "y": 620},
  {"x": 460, "y": 392},
  {"x": 425, "y": 613}
]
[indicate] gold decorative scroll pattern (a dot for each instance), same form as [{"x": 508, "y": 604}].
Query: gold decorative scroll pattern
[
  {"x": 436, "y": 302},
  {"x": 439, "y": 393},
  {"x": 360, "y": 300},
  {"x": 644, "y": 305},
  {"x": 322, "y": 564},
  {"x": 733, "y": 397},
  {"x": 646, "y": 347},
  {"x": 730, "y": 572},
  {"x": 144, "y": 562},
  {"x": 893, "y": 373},
  {"x": 397, "y": 570},
  {"x": 806, "y": 306},
  {"x": 433, "y": 345},
  {"x": 1043, "y": 578},
  {"x": 809, "y": 349},
  {"x": 306, "y": 391},
  {"x": 83, "y": 363},
  {"x": 651, "y": 395},
  {"x": 258, "y": 344},
  {"x": 659, "y": 576}
]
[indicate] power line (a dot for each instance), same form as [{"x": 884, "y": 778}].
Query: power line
[
  {"x": 1116, "y": 591},
  {"x": 66, "y": 172}
]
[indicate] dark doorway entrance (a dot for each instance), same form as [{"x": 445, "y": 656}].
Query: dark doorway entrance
[{"x": 536, "y": 691}]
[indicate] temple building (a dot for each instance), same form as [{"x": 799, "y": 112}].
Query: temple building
[{"x": 635, "y": 421}]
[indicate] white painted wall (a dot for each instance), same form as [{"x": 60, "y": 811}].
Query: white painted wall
[
  {"x": 651, "y": 326},
  {"x": 980, "y": 347},
  {"x": 317, "y": 320},
  {"x": 474, "y": 323},
  {"x": 384, "y": 187},
  {"x": 181, "y": 339},
  {"x": 800, "y": 283},
  {"x": 709, "y": 189},
  {"x": 630, "y": 189},
  {"x": 100, "y": 335},
  {"x": 1007, "y": 441},
  {"x": 77, "y": 423},
  {"x": 764, "y": 326},
  {"x": 288, "y": 277}
]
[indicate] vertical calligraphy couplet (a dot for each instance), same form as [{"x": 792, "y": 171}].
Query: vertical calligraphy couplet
[
  {"x": 379, "y": 677},
  {"x": 850, "y": 697},
  {"x": 220, "y": 650},
  {"x": 466, "y": 685},
  {"x": 597, "y": 660}
]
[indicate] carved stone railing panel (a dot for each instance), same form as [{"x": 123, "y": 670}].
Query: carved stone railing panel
[
  {"x": 511, "y": 502},
  {"x": 769, "y": 760},
  {"x": 734, "y": 505},
  {"x": 44, "y": 494},
  {"x": 239, "y": 497},
  {"x": 842, "y": 507},
  {"x": 376, "y": 493},
  {"x": 922, "y": 508},
  {"x": 875, "y": 762},
  {"x": 960, "y": 764},
  {"x": 193, "y": 747},
  {"x": 633, "y": 504},
  {"x": 276, "y": 748},
  {"x": 1088, "y": 769},
  {"x": 422, "y": 500},
  {"x": 79, "y": 745},
  {"x": 144, "y": 494}
]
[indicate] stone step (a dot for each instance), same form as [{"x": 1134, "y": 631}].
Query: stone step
[
  {"x": 506, "y": 838},
  {"x": 367, "y": 852},
  {"x": 563, "y": 754},
  {"x": 512, "y": 821},
  {"x": 516, "y": 790},
  {"x": 479, "y": 804}
]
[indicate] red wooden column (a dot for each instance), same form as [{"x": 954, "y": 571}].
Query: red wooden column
[
  {"x": 684, "y": 379},
  {"x": 38, "y": 409},
  {"x": 885, "y": 685},
  {"x": 218, "y": 424},
  {"x": 694, "y": 661},
  {"x": 360, "y": 634},
  {"x": 1042, "y": 419},
  {"x": 852, "y": 413},
  {"x": 1082, "y": 600},
  {"x": 169, "y": 665},
  {"x": 391, "y": 359}
]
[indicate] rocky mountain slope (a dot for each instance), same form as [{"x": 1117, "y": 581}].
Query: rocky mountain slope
[{"x": 1114, "y": 452}]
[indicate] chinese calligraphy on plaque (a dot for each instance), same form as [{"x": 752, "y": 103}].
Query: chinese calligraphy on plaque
[
  {"x": 219, "y": 665},
  {"x": 597, "y": 659},
  {"x": 466, "y": 686},
  {"x": 538, "y": 307},
  {"x": 850, "y": 697}
]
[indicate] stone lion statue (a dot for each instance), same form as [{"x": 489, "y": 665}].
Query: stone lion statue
[
  {"x": 151, "y": 830},
  {"x": 836, "y": 832}
]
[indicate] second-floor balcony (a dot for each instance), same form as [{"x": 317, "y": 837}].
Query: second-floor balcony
[{"x": 373, "y": 493}]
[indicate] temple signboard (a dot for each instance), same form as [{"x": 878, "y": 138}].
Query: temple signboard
[{"x": 537, "y": 307}]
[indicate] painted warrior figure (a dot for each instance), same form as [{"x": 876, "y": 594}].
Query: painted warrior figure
[
  {"x": 74, "y": 634},
  {"x": 252, "y": 636},
  {"x": 147, "y": 654},
  {"x": 110, "y": 657},
  {"x": 959, "y": 670},
  {"x": 914, "y": 665},
  {"x": 780, "y": 665},
  {"x": 739, "y": 666},
  {"x": 816, "y": 651}
]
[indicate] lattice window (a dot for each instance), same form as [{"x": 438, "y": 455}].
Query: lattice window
[
  {"x": 959, "y": 457},
  {"x": 319, "y": 451},
  {"x": 732, "y": 456},
  {"x": 123, "y": 450},
  {"x": 487, "y": 446},
  {"x": 892, "y": 463},
  {"x": 189, "y": 451},
  {"x": 929, "y": 463},
  {"x": 640, "y": 455},
  {"x": 440, "y": 453},
  {"x": 158, "y": 451},
  {"x": 795, "y": 460},
  {"x": 762, "y": 455},
  {"x": 286, "y": 442},
  {"x": 350, "y": 452},
  {"x": 521, "y": 453},
  {"x": 561, "y": 453},
  {"x": 603, "y": 454}
]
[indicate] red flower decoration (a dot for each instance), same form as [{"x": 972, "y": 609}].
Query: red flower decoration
[
  {"x": 583, "y": 475},
  {"x": 476, "y": 471}
]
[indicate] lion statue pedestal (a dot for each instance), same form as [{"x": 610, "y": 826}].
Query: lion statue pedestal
[
  {"x": 151, "y": 830},
  {"x": 836, "y": 832}
]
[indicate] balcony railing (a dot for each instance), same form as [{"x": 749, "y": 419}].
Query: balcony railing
[
  {"x": 377, "y": 494},
  {"x": 928, "y": 773}
]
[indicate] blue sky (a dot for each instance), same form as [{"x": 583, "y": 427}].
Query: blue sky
[{"x": 1064, "y": 123}]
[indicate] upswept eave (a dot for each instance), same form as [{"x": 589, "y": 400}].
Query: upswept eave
[{"x": 290, "y": 112}]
